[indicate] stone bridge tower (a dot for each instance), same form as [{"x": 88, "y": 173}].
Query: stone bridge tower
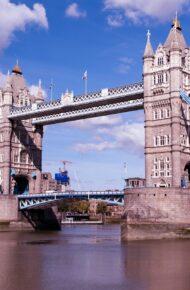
[
  {"x": 167, "y": 147},
  {"x": 20, "y": 141}
]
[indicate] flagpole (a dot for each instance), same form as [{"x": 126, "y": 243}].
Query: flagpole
[{"x": 85, "y": 83}]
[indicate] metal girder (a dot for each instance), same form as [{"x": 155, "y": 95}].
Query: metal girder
[
  {"x": 44, "y": 200},
  {"x": 90, "y": 112},
  {"x": 69, "y": 103}
]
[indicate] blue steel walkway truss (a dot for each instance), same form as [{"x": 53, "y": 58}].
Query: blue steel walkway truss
[{"x": 32, "y": 201}]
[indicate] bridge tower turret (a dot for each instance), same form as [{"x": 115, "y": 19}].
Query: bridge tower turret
[
  {"x": 167, "y": 144},
  {"x": 20, "y": 141},
  {"x": 147, "y": 74}
]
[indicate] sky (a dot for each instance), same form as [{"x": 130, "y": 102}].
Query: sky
[{"x": 57, "y": 41}]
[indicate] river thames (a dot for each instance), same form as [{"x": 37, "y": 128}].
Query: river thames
[{"x": 91, "y": 257}]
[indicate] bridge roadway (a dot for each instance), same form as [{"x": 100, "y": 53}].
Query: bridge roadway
[
  {"x": 31, "y": 201},
  {"x": 70, "y": 107}
]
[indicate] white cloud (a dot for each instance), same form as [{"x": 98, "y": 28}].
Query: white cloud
[
  {"x": 34, "y": 90},
  {"x": 15, "y": 17},
  {"x": 74, "y": 11},
  {"x": 2, "y": 79},
  {"x": 129, "y": 137},
  {"x": 136, "y": 10},
  {"x": 115, "y": 20},
  {"x": 98, "y": 121},
  {"x": 124, "y": 65}
]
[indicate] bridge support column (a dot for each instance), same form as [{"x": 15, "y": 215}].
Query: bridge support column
[{"x": 44, "y": 218}]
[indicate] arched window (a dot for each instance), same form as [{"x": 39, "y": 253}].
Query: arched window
[
  {"x": 157, "y": 141},
  {"x": 168, "y": 140},
  {"x": 16, "y": 158},
  {"x": 23, "y": 156},
  {"x": 160, "y": 61},
  {"x": 167, "y": 113},
  {"x": 162, "y": 114},
  {"x": 160, "y": 78},
  {"x": 154, "y": 79},
  {"x": 155, "y": 114},
  {"x": 162, "y": 141}
]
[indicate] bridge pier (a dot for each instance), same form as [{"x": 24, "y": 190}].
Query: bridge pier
[
  {"x": 44, "y": 218},
  {"x": 156, "y": 213}
]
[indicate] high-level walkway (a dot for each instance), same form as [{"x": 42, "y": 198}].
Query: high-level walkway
[{"x": 70, "y": 107}]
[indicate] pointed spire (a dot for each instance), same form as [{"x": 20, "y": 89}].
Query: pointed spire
[
  {"x": 175, "y": 45},
  {"x": 175, "y": 37},
  {"x": 176, "y": 24},
  {"x": 148, "y": 52},
  {"x": 39, "y": 97},
  {"x": 8, "y": 83},
  {"x": 17, "y": 69}
]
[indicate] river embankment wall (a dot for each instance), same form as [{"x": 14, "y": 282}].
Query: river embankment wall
[{"x": 156, "y": 213}]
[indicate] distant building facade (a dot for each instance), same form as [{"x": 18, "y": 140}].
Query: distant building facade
[{"x": 135, "y": 182}]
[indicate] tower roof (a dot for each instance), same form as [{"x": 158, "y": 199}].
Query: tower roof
[
  {"x": 175, "y": 36},
  {"x": 148, "y": 52},
  {"x": 16, "y": 69}
]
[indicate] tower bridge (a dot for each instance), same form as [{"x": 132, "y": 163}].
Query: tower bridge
[{"x": 164, "y": 96}]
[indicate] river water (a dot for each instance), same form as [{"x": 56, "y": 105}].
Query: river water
[{"x": 91, "y": 257}]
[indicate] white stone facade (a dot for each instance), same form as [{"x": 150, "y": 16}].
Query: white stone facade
[{"x": 166, "y": 72}]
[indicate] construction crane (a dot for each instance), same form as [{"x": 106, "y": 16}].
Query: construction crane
[{"x": 64, "y": 164}]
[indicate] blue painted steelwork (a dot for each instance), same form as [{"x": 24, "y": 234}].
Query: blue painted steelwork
[
  {"x": 41, "y": 200},
  {"x": 185, "y": 97}
]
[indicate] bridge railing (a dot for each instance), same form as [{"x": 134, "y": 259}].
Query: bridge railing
[{"x": 103, "y": 94}]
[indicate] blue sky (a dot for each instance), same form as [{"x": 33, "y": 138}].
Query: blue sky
[{"x": 59, "y": 40}]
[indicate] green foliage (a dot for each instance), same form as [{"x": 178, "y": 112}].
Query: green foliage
[
  {"x": 101, "y": 208},
  {"x": 74, "y": 205}
]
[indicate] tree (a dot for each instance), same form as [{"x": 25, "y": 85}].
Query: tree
[{"x": 102, "y": 209}]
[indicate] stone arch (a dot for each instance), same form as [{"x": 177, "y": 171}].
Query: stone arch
[
  {"x": 21, "y": 185},
  {"x": 187, "y": 167}
]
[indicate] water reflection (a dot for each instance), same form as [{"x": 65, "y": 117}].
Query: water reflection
[
  {"x": 91, "y": 258},
  {"x": 159, "y": 265}
]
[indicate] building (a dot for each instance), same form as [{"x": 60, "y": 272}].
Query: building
[
  {"x": 166, "y": 73},
  {"x": 48, "y": 183},
  {"x": 20, "y": 141},
  {"x": 135, "y": 182}
]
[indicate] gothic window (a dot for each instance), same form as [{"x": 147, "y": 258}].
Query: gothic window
[
  {"x": 160, "y": 78},
  {"x": 157, "y": 141},
  {"x": 155, "y": 114},
  {"x": 160, "y": 61},
  {"x": 155, "y": 160},
  {"x": 16, "y": 158},
  {"x": 162, "y": 141},
  {"x": 23, "y": 156},
  {"x": 167, "y": 159},
  {"x": 161, "y": 165},
  {"x": 161, "y": 173},
  {"x": 167, "y": 113},
  {"x": 154, "y": 80},
  {"x": 166, "y": 77},
  {"x": 167, "y": 139},
  {"x": 162, "y": 114}
]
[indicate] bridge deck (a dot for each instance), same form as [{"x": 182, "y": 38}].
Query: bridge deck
[
  {"x": 39, "y": 200},
  {"x": 69, "y": 107}
]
